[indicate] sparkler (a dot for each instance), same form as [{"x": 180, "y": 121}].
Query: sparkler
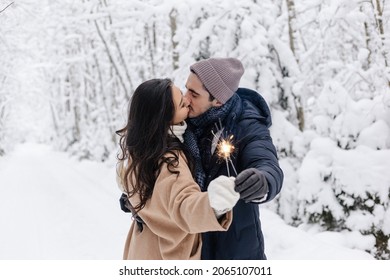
[{"x": 225, "y": 148}]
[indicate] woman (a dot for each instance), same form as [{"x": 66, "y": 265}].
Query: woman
[{"x": 169, "y": 208}]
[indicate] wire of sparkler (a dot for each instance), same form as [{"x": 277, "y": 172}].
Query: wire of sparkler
[
  {"x": 231, "y": 162},
  {"x": 227, "y": 166}
]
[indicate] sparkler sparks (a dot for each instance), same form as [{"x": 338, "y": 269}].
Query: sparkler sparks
[{"x": 225, "y": 148}]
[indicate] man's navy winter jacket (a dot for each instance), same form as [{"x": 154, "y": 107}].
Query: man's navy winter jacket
[{"x": 248, "y": 121}]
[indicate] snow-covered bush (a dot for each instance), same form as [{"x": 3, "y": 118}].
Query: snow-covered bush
[
  {"x": 344, "y": 181},
  {"x": 337, "y": 176}
]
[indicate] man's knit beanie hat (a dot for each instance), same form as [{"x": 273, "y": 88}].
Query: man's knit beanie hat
[{"x": 220, "y": 76}]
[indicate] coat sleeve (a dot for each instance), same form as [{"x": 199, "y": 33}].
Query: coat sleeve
[
  {"x": 179, "y": 199},
  {"x": 258, "y": 151}
]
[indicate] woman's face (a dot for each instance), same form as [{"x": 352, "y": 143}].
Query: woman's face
[{"x": 181, "y": 105}]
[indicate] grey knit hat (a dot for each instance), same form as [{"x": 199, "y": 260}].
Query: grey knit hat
[{"x": 220, "y": 76}]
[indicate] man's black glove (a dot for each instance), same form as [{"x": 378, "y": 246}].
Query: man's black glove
[
  {"x": 252, "y": 185},
  {"x": 123, "y": 200}
]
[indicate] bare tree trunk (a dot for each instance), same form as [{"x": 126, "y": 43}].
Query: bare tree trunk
[
  {"x": 111, "y": 58},
  {"x": 104, "y": 97},
  {"x": 283, "y": 100},
  {"x": 367, "y": 33},
  {"x": 175, "y": 54},
  {"x": 76, "y": 128},
  {"x": 55, "y": 120},
  {"x": 120, "y": 53},
  {"x": 2, "y": 121},
  {"x": 300, "y": 112},
  {"x": 293, "y": 46},
  {"x": 154, "y": 36},
  {"x": 379, "y": 20},
  {"x": 2, "y": 125},
  {"x": 150, "y": 48},
  {"x": 291, "y": 26},
  {"x": 123, "y": 61},
  {"x": 378, "y": 13},
  {"x": 285, "y": 71}
]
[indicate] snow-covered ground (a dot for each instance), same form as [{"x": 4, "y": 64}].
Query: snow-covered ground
[{"x": 54, "y": 207}]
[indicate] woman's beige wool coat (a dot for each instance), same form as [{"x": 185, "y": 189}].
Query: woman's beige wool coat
[{"x": 174, "y": 217}]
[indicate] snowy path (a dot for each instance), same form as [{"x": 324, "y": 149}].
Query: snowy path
[{"x": 53, "y": 207}]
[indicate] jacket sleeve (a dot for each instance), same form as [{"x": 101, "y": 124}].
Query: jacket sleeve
[
  {"x": 257, "y": 150},
  {"x": 178, "y": 199}
]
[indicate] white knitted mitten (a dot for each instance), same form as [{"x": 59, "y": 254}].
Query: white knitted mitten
[{"x": 222, "y": 195}]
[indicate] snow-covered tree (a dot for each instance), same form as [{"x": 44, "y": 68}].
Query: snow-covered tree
[
  {"x": 340, "y": 184},
  {"x": 68, "y": 69}
]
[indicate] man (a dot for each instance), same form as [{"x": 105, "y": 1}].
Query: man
[{"x": 220, "y": 110}]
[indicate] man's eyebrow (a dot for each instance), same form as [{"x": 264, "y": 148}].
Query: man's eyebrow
[{"x": 193, "y": 91}]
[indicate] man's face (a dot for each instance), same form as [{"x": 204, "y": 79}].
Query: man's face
[{"x": 198, "y": 97}]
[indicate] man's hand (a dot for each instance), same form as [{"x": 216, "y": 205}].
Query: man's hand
[{"x": 252, "y": 185}]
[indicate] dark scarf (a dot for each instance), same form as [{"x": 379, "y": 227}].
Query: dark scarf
[{"x": 197, "y": 136}]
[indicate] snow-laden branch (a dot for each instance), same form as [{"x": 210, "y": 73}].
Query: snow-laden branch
[{"x": 6, "y": 7}]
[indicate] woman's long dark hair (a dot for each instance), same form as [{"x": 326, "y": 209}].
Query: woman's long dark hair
[{"x": 145, "y": 142}]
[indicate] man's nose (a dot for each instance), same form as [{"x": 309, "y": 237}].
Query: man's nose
[{"x": 186, "y": 101}]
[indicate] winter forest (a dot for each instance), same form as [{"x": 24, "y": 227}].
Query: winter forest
[{"x": 68, "y": 69}]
